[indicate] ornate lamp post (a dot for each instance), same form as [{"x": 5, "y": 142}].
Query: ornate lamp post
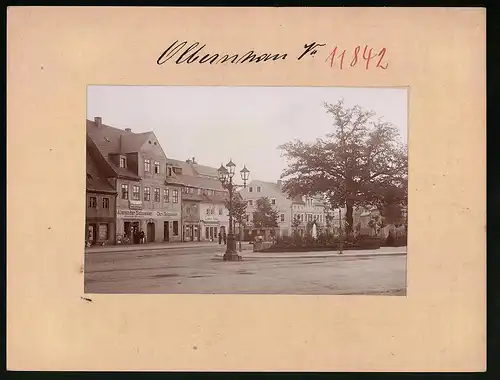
[{"x": 226, "y": 175}]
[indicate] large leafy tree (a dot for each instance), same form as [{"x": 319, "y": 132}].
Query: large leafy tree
[
  {"x": 361, "y": 162},
  {"x": 265, "y": 215}
]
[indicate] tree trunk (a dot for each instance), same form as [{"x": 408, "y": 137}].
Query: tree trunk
[{"x": 348, "y": 217}]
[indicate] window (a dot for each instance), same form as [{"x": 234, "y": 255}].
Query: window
[
  {"x": 166, "y": 196},
  {"x": 206, "y": 232},
  {"x": 250, "y": 189},
  {"x": 258, "y": 189},
  {"x": 273, "y": 201},
  {"x": 247, "y": 217},
  {"x": 169, "y": 172},
  {"x": 282, "y": 217},
  {"x": 175, "y": 228},
  {"x": 136, "y": 193},
  {"x": 250, "y": 202},
  {"x": 215, "y": 231},
  {"x": 157, "y": 167},
  {"x": 208, "y": 211},
  {"x": 105, "y": 202},
  {"x": 124, "y": 191},
  {"x": 147, "y": 165},
  {"x": 103, "y": 231},
  {"x": 123, "y": 162},
  {"x": 92, "y": 202},
  {"x": 175, "y": 196},
  {"x": 157, "y": 195},
  {"x": 220, "y": 211},
  {"x": 147, "y": 193},
  {"x": 199, "y": 191}
]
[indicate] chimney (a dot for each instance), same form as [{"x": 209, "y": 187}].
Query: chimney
[
  {"x": 98, "y": 121},
  {"x": 128, "y": 130}
]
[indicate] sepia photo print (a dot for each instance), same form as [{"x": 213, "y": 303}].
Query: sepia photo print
[{"x": 246, "y": 190}]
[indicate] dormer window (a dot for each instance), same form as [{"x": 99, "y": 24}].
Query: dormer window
[
  {"x": 169, "y": 171},
  {"x": 123, "y": 162}
]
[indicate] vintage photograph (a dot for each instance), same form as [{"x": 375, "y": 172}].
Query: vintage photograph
[{"x": 246, "y": 190}]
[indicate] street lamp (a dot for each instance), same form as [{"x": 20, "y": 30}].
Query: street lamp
[{"x": 226, "y": 175}]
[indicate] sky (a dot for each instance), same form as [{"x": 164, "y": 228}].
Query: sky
[{"x": 245, "y": 124}]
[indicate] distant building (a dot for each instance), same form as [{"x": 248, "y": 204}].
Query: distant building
[
  {"x": 306, "y": 209},
  {"x": 309, "y": 210}
]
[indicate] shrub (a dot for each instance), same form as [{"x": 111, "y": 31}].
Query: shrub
[
  {"x": 389, "y": 241},
  {"x": 400, "y": 241},
  {"x": 368, "y": 242}
]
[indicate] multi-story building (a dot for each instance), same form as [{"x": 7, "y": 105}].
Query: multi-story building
[
  {"x": 101, "y": 203},
  {"x": 204, "y": 212},
  {"x": 278, "y": 199},
  {"x": 147, "y": 199},
  {"x": 309, "y": 211}
]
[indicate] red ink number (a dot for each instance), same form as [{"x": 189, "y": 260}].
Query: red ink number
[
  {"x": 355, "y": 59},
  {"x": 368, "y": 57},
  {"x": 381, "y": 55},
  {"x": 332, "y": 57}
]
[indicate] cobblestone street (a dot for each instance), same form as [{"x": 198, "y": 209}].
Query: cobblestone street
[{"x": 194, "y": 270}]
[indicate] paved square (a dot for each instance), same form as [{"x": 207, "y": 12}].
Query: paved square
[{"x": 193, "y": 270}]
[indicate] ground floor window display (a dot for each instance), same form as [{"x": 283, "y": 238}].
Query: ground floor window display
[
  {"x": 144, "y": 226},
  {"x": 191, "y": 232},
  {"x": 99, "y": 231}
]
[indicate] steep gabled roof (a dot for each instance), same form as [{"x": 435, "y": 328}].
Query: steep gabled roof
[
  {"x": 133, "y": 142},
  {"x": 200, "y": 182},
  {"x": 203, "y": 170},
  {"x": 96, "y": 181},
  {"x": 186, "y": 168},
  {"x": 108, "y": 140}
]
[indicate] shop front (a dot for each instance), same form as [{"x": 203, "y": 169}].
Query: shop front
[
  {"x": 210, "y": 228},
  {"x": 158, "y": 226},
  {"x": 100, "y": 230}
]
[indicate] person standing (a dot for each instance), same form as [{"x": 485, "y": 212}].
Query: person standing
[
  {"x": 225, "y": 238},
  {"x": 142, "y": 237},
  {"x": 220, "y": 238}
]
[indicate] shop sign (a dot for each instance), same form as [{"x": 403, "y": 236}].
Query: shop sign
[
  {"x": 168, "y": 214},
  {"x": 135, "y": 205},
  {"x": 212, "y": 219},
  {"x": 140, "y": 214},
  {"x": 148, "y": 214}
]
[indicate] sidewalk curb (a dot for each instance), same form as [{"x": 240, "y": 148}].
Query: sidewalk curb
[
  {"x": 143, "y": 247},
  {"x": 219, "y": 256}
]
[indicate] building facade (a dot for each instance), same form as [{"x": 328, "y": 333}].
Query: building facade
[
  {"x": 147, "y": 200},
  {"x": 204, "y": 214},
  {"x": 279, "y": 201},
  {"x": 100, "y": 223},
  {"x": 308, "y": 211}
]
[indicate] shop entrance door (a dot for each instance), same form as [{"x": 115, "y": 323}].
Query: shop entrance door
[
  {"x": 92, "y": 233},
  {"x": 166, "y": 231},
  {"x": 151, "y": 232}
]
